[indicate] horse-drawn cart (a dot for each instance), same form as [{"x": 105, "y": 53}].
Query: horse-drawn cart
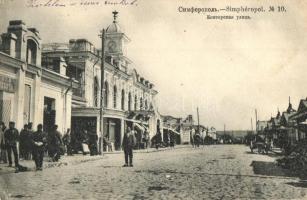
[{"x": 261, "y": 147}]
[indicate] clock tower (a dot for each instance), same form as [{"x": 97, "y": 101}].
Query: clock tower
[{"x": 115, "y": 45}]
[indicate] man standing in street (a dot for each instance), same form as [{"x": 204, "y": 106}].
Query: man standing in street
[
  {"x": 39, "y": 141},
  {"x": 92, "y": 143},
  {"x": 2, "y": 144},
  {"x": 25, "y": 143},
  {"x": 11, "y": 137},
  {"x": 54, "y": 144},
  {"x": 192, "y": 134},
  {"x": 129, "y": 141},
  {"x": 67, "y": 142}
]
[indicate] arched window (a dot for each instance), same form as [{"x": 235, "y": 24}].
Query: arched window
[
  {"x": 96, "y": 89},
  {"x": 114, "y": 96},
  {"x": 141, "y": 103},
  {"x": 129, "y": 101},
  {"x": 106, "y": 94},
  {"x": 31, "y": 52},
  {"x": 123, "y": 100},
  {"x": 135, "y": 102}
]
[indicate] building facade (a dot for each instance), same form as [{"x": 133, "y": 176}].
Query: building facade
[
  {"x": 128, "y": 99},
  {"x": 28, "y": 91}
]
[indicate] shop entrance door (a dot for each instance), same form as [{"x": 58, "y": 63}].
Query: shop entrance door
[
  {"x": 114, "y": 135},
  {"x": 78, "y": 126},
  {"x": 49, "y": 114}
]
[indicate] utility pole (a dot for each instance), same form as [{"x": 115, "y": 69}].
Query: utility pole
[
  {"x": 102, "y": 36},
  {"x": 256, "y": 120},
  {"x": 198, "y": 120},
  {"x": 224, "y": 129},
  {"x": 252, "y": 125}
]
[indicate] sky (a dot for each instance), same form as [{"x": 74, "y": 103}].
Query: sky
[{"x": 225, "y": 68}]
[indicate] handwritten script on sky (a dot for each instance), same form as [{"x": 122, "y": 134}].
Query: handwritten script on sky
[{"x": 71, "y": 3}]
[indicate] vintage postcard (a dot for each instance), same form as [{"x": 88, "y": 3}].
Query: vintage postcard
[{"x": 153, "y": 99}]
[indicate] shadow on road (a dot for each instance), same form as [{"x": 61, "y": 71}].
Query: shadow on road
[
  {"x": 301, "y": 184},
  {"x": 270, "y": 169},
  {"x": 165, "y": 172},
  {"x": 271, "y": 154},
  {"x": 110, "y": 166}
]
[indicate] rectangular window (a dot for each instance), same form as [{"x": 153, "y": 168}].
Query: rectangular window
[{"x": 5, "y": 109}]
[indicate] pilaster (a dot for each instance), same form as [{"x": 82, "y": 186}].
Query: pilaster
[
  {"x": 19, "y": 100},
  {"x": 37, "y": 105},
  {"x": 122, "y": 129}
]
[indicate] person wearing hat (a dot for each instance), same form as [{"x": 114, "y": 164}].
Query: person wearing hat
[
  {"x": 2, "y": 144},
  {"x": 11, "y": 137},
  {"x": 25, "y": 143},
  {"x": 39, "y": 141},
  {"x": 129, "y": 142},
  {"x": 54, "y": 144}
]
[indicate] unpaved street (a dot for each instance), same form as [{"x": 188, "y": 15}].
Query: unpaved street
[{"x": 212, "y": 172}]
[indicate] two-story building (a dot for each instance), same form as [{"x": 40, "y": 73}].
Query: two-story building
[{"x": 28, "y": 91}]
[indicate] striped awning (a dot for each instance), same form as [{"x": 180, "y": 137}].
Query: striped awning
[
  {"x": 176, "y": 132},
  {"x": 139, "y": 127}
]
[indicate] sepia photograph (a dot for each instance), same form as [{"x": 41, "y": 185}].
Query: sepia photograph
[{"x": 153, "y": 99}]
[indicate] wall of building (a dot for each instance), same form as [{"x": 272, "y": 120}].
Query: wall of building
[{"x": 62, "y": 105}]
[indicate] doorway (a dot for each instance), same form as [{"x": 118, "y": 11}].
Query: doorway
[
  {"x": 49, "y": 114},
  {"x": 113, "y": 132}
]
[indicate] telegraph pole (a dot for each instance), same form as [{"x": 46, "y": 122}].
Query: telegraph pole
[
  {"x": 102, "y": 36},
  {"x": 256, "y": 120},
  {"x": 252, "y": 125},
  {"x": 198, "y": 120}
]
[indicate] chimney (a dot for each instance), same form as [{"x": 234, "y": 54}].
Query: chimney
[
  {"x": 9, "y": 44},
  {"x": 19, "y": 29},
  {"x": 63, "y": 66}
]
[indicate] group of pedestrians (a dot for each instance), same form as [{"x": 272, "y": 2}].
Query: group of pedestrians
[{"x": 32, "y": 144}]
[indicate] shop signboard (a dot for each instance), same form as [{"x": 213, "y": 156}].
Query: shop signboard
[{"x": 7, "y": 84}]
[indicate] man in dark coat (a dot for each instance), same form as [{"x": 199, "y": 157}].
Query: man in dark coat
[
  {"x": 11, "y": 137},
  {"x": 25, "y": 143},
  {"x": 158, "y": 139},
  {"x": 172, "y": 139},
  {"x": 129, "y": 142},
  {"x": 92, "y": 143},
  {"x": 67, "y": 142},
  {"x": 39, "y": 141},
  {"x": 146, "y": 138},
  {"x": 54, "y": 144},
  {"x": 3, "y": 156}
]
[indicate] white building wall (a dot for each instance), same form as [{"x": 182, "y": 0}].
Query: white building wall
[
  {"x": 62, "y": 118},
  {"x": 7, "y": 97},
  {"x": 89, "y": 82}
]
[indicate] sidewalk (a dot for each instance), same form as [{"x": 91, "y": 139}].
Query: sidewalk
[
  {"x": 149, "y": 150},
  {"x": 64, "y": 161},
  {"x": 75, "y": 159}
]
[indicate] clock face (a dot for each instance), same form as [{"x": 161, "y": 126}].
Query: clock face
[{"x": 112, "y": 46}]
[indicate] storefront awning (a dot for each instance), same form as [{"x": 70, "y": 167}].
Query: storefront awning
[
  {"x": 137, "y": 121},
  {"x": 176, "y": 132},
  {"x": 139, "y": 127}
]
